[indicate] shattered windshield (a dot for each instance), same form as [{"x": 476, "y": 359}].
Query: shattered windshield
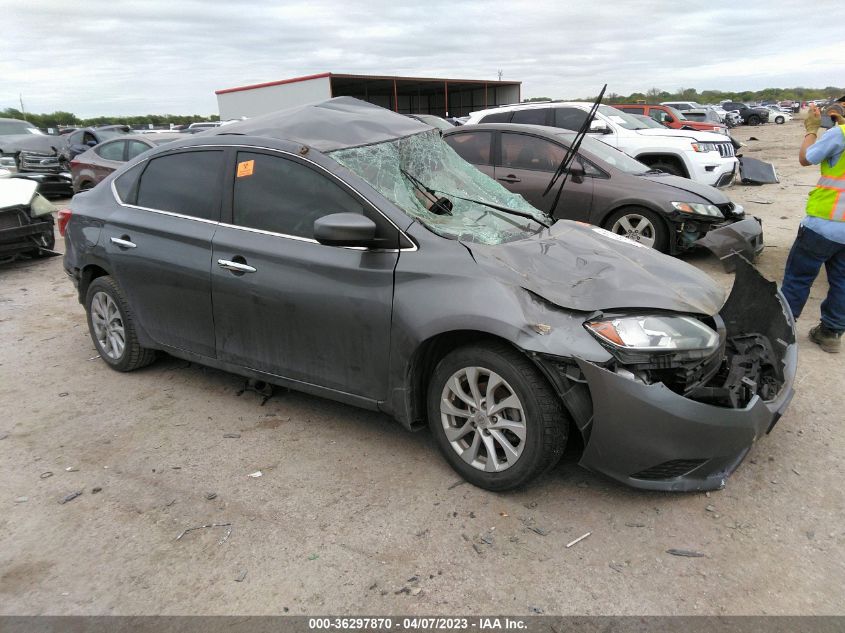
[{"x": 417, "y": 172}]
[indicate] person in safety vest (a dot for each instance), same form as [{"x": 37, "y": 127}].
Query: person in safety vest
[{"x": 821, "y": 236}]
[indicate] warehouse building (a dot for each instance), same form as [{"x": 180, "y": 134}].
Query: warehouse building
[{"x": 406, "y": 95}]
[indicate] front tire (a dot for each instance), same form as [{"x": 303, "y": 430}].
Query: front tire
[
  {"x": 494, "y": 417},
  {"x": 639, "y": 225},
  {"x": 112, "y": 327},
  {"x": 753, "y": 120}
]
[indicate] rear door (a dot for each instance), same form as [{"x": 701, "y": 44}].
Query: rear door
[
  {"x": 525, "y": 164},
  {"x": 287, "y": 305},
  {"x": 159, "y": 243}
]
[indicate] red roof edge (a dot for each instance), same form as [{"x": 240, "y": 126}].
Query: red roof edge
[{"x": 273, "y": 83}]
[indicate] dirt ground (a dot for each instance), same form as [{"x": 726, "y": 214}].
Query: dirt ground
[{"x": 352, "y": 514}]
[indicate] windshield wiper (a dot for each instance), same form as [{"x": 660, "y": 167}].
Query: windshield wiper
[
  {"x": 439, "y": 205},
  {"x": 572, "y": 152},
  {"x": 433, "y": 192}
]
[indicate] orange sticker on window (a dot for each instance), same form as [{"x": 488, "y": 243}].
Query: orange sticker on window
[{"x": 246, "y": 168}]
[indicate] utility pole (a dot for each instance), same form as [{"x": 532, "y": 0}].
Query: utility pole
[
  {"x": 500, "y": 73},
  {"x": 23, "y": 112}
]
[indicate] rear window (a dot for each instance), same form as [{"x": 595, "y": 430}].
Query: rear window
[
  {"x": 497, "y": 117},
  {"x": 187, "y": 183},
  {"x": 473, "y": 147}
]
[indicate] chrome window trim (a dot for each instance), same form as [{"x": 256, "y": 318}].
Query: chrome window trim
[{"x": 411, "y": 248}]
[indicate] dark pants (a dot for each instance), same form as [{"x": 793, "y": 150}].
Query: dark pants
[{"x": 808, "y": 253}]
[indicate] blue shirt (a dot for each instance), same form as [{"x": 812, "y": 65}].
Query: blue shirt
[{"x": 829, "y": 147}]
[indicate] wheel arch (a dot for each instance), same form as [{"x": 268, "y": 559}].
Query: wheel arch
[
  {"x": 650, "y": 158},
  {"x": 87, "y": 274},
  {"x": 433, "y": 349}
]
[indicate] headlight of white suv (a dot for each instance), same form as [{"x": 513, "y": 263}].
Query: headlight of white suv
[
  {"x": 705, "y": 147},
  {"x": 654, "y": 333},
  {"x": 710, "y": 210}
]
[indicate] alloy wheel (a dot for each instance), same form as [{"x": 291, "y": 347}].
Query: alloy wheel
[
  {"x": 636, "y": 227},
  {"x": 483, "y": 419},
  {"x": 108, "y": 325}
]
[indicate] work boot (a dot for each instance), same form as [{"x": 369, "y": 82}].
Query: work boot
[{"x": 828, "y": 340}]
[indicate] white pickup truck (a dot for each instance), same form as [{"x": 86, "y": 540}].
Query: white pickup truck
[{"x": 702, "y": 156}]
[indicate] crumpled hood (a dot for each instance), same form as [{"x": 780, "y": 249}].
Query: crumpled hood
[
  {"x": 711, "y": 194},
  {"x": 35, "y": 142},
  {"x": 16, "y": 192},
  {"x": 583, "y": 267}
]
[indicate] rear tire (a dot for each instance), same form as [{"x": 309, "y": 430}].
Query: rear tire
[
  {"x": 753, "y": 120},
  {"x": 639, "y": 225},
  {"x": 494, "y": 417},
  {"x": 112, "y": 327}
]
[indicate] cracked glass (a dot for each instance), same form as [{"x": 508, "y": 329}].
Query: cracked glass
[{"x": 413, "y": 172}]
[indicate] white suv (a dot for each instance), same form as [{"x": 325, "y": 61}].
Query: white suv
[{"x": 702, "y": 156}]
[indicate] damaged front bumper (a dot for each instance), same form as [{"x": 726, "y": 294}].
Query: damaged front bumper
[
  {"x": 651, "y": 436},
  {"x": 744, "y": 238}
]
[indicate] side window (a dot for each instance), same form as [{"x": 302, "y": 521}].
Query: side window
[
  {"x": 520, "y": 151},
  {"x": 658, "y": 115},
  {"x": 283, "y": 196},
  {"x": 111, "y": 151},
  {"x": 590, "y": 169},
  {"x": 136, "y": 148},
  {"x": 88, "y": 139},
  {"x": 533, "y": 116},
  {"x": 186, "y": 183},
  {"x": 570, "y": 118},
  {"x": 75, "y": 138},
  {"x": 497, "y": 117},
  {"x": 473, "y": 147},
  {"x": 633, "y": 110},
  {"x": 125, "y": 184}
]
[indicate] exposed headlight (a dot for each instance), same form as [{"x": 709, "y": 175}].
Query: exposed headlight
[
  {"x": 7, "y": 161},
  {"x": 654, "y": 333},
  {"x": 709, "y": 210},
  {"x": 705, "y": 147}
]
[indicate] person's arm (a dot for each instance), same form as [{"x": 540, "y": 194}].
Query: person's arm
[
  {"x": 809, "y": 139},
  {"x": 812, "y": 124}
]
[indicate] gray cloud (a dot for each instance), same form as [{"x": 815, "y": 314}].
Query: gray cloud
[{"x": 156, "y": 56}]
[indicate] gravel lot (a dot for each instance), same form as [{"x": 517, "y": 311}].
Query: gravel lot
[{"x": 355, "y": 515}]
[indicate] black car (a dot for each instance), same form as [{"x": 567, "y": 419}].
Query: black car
[
  {"x": 605, "y": 187},
  {"x": 347, "y": 251},
  {"x": 749, "y": 115}
]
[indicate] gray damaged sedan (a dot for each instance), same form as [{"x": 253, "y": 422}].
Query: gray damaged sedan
[{"x": 347, "y": 251}]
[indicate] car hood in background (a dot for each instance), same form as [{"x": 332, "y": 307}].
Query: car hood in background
[
  {"x": 33, "y": 142},
  {"x": 711, "y": 194},
  {"x": 582, "y": 267},
  {"x": 698, "y": 135}
]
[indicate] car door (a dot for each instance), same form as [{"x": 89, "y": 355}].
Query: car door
[
  {"x": 287, "y": 305},
  {"x": 111, "y": 155},
  {"x": 525, "y": 164},
  {"x": 158, "y": 242}
]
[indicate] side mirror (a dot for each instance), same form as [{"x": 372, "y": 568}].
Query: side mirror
[
  {"x": 576, "y": 171},
  {"x": 599, "y": 127},
  {"x": 344, "y": 229},
  {"x": 91, "y": 143}
]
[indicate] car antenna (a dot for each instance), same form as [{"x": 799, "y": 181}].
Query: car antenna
[{"x": 572, "y": 152}]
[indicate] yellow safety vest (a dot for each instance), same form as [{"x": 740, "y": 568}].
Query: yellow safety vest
[{"x": 827, "y": 200}]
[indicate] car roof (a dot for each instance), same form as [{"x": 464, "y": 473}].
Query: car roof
[{"x": 339, "y": 123}]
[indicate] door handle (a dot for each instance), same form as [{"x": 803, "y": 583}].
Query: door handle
[
  {"x": 510, "y": 178},
  {"x": 123, "y": 242},
  {"x": 235, "y": 267}
]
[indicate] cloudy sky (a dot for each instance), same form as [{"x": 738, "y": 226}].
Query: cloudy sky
[{"x": 98, "y": 57}]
